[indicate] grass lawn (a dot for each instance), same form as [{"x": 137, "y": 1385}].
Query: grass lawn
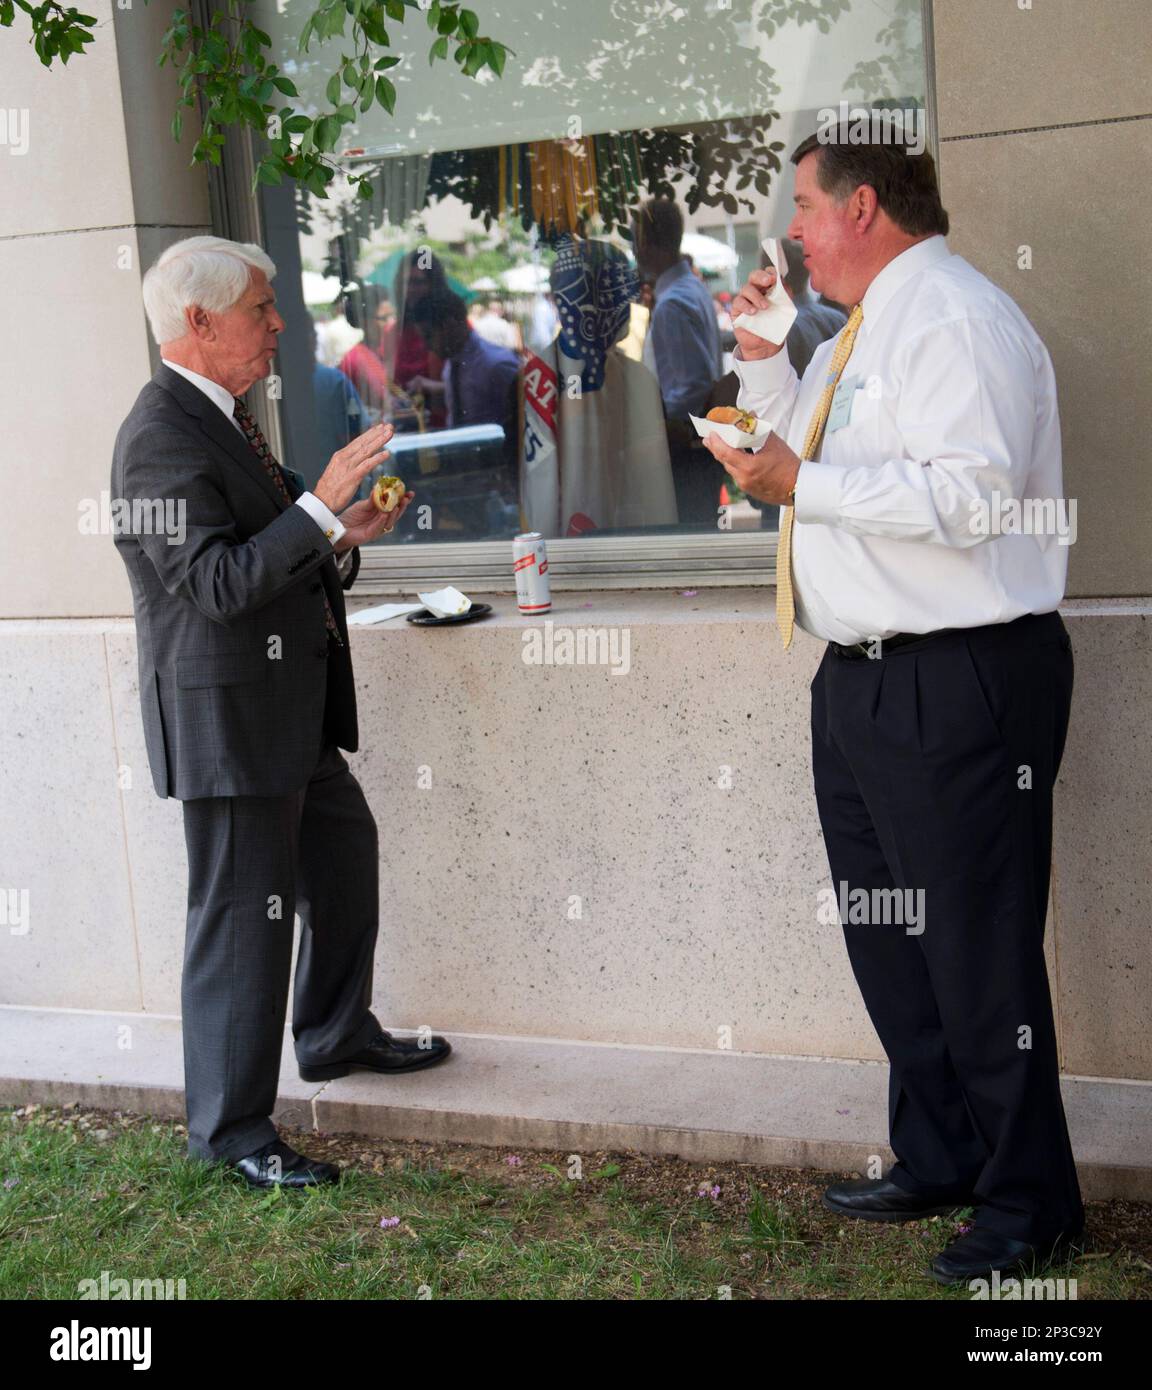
[{"x": 84, "y": 1191}]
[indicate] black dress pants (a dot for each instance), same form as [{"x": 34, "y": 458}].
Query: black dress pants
[
  {"x": 253, "y": 862},
  {"x": 934, "y": 766}
]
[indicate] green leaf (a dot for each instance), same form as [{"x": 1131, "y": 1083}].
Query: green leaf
[
  {"x": 332, "y": 91},
  {"x": 439, "y": 49},
  {"x": 394, "y": 9},
  {"x": 327, "y": 133},
  {"x": 434, "y": 14},
  {"x": 386, "y": 95},
  {"x": 267, "y": 172},
  {"x": 345, "y": 114},
  {"x": 331, "y": 22},
  {"x": 448, "y": 22},
  {"x": 285, "y": 85},
  {"x": 469, "y": 23},
  {"x": 215, "y": 50},
  {"x": 383, "y": 63},
  {"x": 496, "y": 55}
]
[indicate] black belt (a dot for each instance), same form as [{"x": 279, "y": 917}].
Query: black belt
[{"x": 856, "y": 651}]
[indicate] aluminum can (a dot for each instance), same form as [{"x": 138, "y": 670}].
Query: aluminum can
[{"x": 530, "y": 566}]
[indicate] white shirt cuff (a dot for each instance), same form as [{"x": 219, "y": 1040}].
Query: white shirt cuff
[
  {"x": 765, "y": 375},
  {"x": 819, "y": 487},
  {"x": 326, "y": 520}
]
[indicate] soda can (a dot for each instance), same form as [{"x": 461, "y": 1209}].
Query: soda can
[{"x": 530, "y": 566}]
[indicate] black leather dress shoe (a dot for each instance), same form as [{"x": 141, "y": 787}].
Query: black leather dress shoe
[
  {"x": 977, "y": 1254},
  {"x": 877, "y": 1199},
  {"x": 277, "y": 1165},
  {"x": 384, "y": 1053}
]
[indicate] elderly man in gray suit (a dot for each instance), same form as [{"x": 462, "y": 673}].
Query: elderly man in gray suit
[{"x": 247, "y": 695}]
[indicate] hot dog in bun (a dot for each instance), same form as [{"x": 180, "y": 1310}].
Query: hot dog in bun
[
  {"x": 729, "y": 415},
  {"x": 388, "y": 493}
]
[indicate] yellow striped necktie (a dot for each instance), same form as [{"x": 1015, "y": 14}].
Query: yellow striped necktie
[{"x": 785, "y": 599}]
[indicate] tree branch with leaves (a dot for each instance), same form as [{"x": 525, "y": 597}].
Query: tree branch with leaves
[{"x": 225, "y": 70}]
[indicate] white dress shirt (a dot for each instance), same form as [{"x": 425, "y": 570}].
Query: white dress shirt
[
  {"x": 324, "y": 517},
  {"x": 904, "y": 523}
]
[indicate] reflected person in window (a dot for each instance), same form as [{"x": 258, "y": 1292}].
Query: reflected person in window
[
  {"x": 367, "y": 364},
  {"x": 683, "y": 347},
  {"x": 417, "y": 367},
  {"x": 479, "y": 376}
]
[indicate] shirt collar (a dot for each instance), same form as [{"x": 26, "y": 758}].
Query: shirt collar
[
  {"x": 665, "y": 278},
  {"x": 899, "y": 270},
  {"x": 217, "y": 394}
]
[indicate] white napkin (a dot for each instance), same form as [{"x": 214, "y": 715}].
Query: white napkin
[
  {"x": 446, "y": 603},
  {"x": 367, "y": 616},
  {"x": 774, "y": 322}
]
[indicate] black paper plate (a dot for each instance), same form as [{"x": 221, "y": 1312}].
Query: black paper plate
[{"x": 422, "y": 617}]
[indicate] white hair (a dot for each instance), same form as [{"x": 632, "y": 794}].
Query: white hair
[{"x": 208, "y": 271}]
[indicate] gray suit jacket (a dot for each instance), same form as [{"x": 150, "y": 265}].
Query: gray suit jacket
[{"x": 238, "y": 684}]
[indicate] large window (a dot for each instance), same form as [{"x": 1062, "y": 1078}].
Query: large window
[{"x": 536, "y": 294}]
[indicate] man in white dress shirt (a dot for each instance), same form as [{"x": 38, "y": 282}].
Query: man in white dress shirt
[{"x": 915, "y": 451}]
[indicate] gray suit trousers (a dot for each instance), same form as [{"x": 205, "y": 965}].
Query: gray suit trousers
[{"x": 253, "y": 862}]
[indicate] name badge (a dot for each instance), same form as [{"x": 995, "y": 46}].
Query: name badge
[{"x": 841, "y": 411}]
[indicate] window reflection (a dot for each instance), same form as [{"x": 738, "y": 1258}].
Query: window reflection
[{"x": 537, "y": 292}]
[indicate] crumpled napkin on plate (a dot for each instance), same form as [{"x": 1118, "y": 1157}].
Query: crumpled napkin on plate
[
  {"x": 446, "y": 603},
  {"x": 774, "y": 322}
]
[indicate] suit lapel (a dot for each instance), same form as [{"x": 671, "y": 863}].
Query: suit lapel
[
  {"x": 217, "y": 428},
  {"x": 229, "y": 438}
]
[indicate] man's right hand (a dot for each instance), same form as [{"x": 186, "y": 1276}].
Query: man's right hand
[
  {"x": 751, "y": 299},
  {"x": 348, "y": 467}
]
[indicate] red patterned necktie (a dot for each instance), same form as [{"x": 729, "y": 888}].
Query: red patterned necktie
[{"x": 255, "y": 437}]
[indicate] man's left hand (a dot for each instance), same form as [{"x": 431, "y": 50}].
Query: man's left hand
[
  {"x": 365, "y": 521},
  {"x": 769, "y": 474}
]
